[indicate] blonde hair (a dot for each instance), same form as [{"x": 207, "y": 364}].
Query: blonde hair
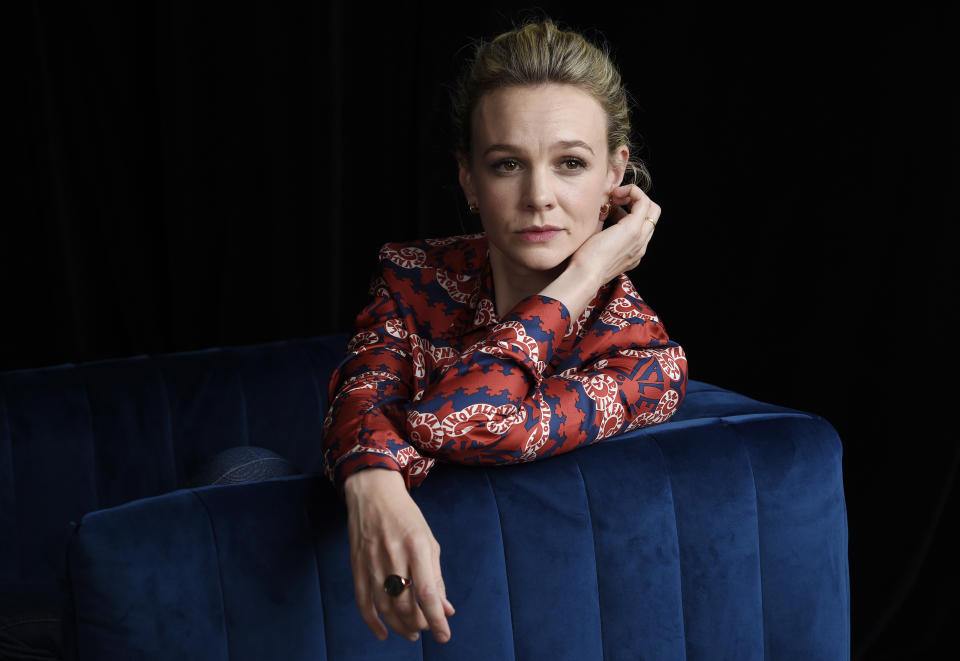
[{"x": 539, "y": 52}]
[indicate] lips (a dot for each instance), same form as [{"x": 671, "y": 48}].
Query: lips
[
  {"x": 541, "y": 228},
  {"x": 539, "y": 233}
]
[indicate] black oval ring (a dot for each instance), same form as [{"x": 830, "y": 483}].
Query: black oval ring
[{"x": 394, "y": 585}]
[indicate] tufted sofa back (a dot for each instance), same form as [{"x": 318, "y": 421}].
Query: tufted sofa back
[
  {"x": 76, "y": 438},
  {"x": 719, "y": 534},
  {"x": 705, "y": 538}
]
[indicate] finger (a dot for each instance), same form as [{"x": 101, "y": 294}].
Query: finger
[
  {"x": 652, "y": 212},
  {"x": 364, "y": 599},
  {"x": 447, "y": 606},
  {"x": 616, "y": 213},
  {"x": 429, "y": 583},
  {"x": 628, "y": 195},
  {"x": 401, "y": 613},
  {"x": 639, "y": 202},
  {"x": 649, "y": 227},
  {"x": 642, "y": 208}
]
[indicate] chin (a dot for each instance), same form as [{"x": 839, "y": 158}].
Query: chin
[
  {"x": 536, "y": 257},
  {"x": 544, "y": 261}
]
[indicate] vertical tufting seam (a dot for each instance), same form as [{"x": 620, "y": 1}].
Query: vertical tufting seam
[
  {"x": 513, "y": 628},
  {"x": 676, "y": 527},
  {"x": 216, "y": 555},
  {"x": 72, "y": 589},
  {"x": 6, "y": 426},
  {"x": 12, "y": 482},
  {"x": 232, "y": 357},
  {"x": 171, "y": 448},
  {"x": 316, "y": 557},
  {"x": 95, "y": 476},
  {"x": 308, "y": 360},
  {"x": 756, "y": 503},
  {"x": 596, "y": 565}
]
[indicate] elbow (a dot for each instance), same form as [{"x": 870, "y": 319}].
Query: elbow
[
  {"x": 675, "y": 383},
  {"x": 679, "y": 359}
]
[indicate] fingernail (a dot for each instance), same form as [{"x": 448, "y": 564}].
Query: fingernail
[
  {"x": 442, "y": 637},
  {"x": 414, "y": 637}
]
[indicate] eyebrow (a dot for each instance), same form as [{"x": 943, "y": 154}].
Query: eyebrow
[{"x": 566, "y": 144}]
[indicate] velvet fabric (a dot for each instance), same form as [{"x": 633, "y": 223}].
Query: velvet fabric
[{"x": 719, "y": 534}]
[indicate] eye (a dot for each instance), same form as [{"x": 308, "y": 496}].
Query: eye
[
  {"x": 506, "y": 165},
  {"x": 574, "y": 164}
]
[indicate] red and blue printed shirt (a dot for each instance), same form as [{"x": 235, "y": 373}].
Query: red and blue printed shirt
[{"x": 431, "y": 374}]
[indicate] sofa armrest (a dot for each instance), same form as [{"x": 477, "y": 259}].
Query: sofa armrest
[{"x": 703, "y": 538}]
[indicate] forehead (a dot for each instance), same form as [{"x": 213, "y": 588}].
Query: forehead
[{"x": 536, "y": 116}]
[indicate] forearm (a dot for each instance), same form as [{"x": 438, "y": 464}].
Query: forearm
[
  {"x": 357, "y": 441},
  {"x": 364, "y": 427},
  {"x": 498, "y": 403},
  {"x": 575, "y": 288}
]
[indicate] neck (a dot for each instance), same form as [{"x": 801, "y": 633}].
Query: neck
[{"x": 513, "y": 282}]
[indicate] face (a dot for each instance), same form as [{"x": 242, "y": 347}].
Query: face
[{"x": 539, "y": 160}]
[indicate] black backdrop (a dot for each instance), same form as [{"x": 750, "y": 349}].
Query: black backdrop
[{"x": 194, "y": 175}]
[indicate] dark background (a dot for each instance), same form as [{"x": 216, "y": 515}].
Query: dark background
[{"x": 193, "y": 175}]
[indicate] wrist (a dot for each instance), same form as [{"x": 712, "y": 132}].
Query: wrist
[
  {"x": 575, "y": 288},
  {"x": 584, "y": 274},
  {"x": 374, "y": 477}
]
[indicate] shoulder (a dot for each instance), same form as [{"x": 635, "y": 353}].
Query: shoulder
[{"x": 460, "y": 254}]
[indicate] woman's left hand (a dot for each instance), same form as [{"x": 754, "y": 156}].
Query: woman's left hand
[{"x": 620, "y": 247}]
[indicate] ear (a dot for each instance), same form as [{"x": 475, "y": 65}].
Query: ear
[
  {"x": 617, "y": 167},
  {"x": 466, "y": 178}
]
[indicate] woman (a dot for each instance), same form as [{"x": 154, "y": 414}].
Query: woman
[{"x": 521, "y": 342}]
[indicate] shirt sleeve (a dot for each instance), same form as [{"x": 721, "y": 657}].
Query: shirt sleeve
[
  {"x": 369, "y": 392},
  {"x": 494, "y": 405}
]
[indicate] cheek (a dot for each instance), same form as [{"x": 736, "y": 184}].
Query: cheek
[
  {"x": 590, "y": 228},
  {"x": 498, "y": 196},
  {"x": 591, "y": 191},
  {"x": 488, "y": 190},
  {"x": 588, "y": 208}
]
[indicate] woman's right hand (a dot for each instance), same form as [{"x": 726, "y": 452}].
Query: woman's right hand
[{"x": 389, "y": 535}]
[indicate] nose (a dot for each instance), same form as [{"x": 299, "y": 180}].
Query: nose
[{"x": 539, "y": 195}]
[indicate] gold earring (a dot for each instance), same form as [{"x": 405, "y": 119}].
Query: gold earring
[
  {"x": 604, "y": 210},
  {"x": 474, "y": 207}
]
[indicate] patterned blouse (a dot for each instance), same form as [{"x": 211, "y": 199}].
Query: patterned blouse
[{"x": 431, "y": 374}]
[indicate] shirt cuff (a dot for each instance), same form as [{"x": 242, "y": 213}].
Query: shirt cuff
[
  {"x": 359, "y": 461},
  {"x": 545, "y": 322}
]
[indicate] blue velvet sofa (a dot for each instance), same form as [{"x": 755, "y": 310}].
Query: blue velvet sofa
[{"x": 720, "y": 534}]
